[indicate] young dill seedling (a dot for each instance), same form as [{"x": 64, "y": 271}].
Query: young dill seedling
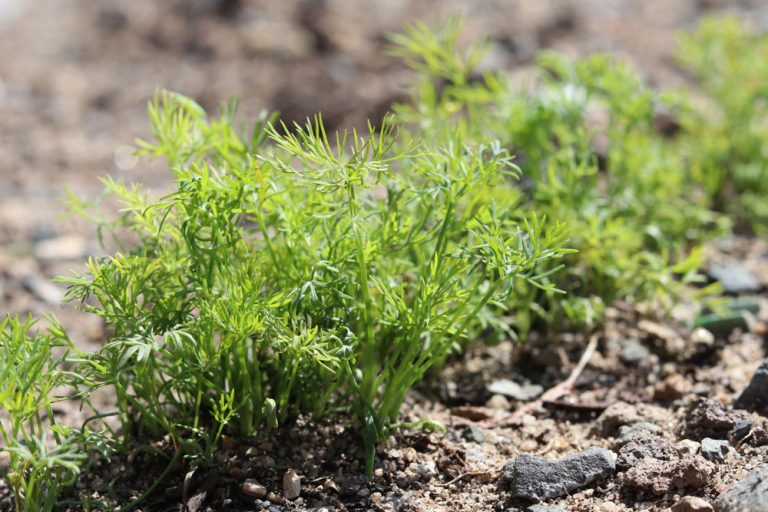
[
  {"x": 44, "y": 456},
  {"x": 727, "y": 135},
  {"x": 622, "y": 188},
  {"x": 323, "y": 272}
]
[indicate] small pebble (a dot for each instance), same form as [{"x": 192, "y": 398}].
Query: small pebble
[
  {"x": 692, "y": 504},
  {"x": 330, "y": 485},
  {"x": 512, "y": 389},
  {"x": 702, "y": 336},
  {"x": 66, "y": 247},
  {"x": 734, "y": 278},
  {"x": 634, "y": 352},
  {"x": 252, "y": 488},
  {"x": 44, "y": 289},
  {"x": 755, "y": 396},
  {"x": 748, "y": 494},
  {"x": 695, "y": 472},
  {"x": 291, "y": 485},
  {"x": 687, "y": 447},
  {"x": 474, "y": 433},
  {"x": 758, "y": 437},
  {"x": 497, "y": 402},
  {"x": 628, "y": 432},
  {"x": 609, "y": 507},
  {"x": 538, "y": 479},
  {"x": 672, "y": 388},
  {"x": 714, "y": 449},
  {"x": 542, "y": 507}
]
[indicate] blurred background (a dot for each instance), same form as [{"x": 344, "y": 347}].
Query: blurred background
[{"x": 75, "y": 77}]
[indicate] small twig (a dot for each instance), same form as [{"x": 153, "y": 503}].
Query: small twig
[
  {"x": 745, "y": 438},
  {"x": 552, "y": 393},
  {"x": 464, "y": 475}
]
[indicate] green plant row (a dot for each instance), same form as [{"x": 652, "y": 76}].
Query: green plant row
[
  {"x": 295, "y": 271},
  {"x": 586, "y": 136}
]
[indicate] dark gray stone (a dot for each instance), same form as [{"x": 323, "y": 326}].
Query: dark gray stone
[
  {"x": 741, "y": 429},
  {"x": 714, "y": 449},
  {"x": 755, "y": 395},
  {"x": 537, "y": 479},
  {"x": 734, "y": 278},
  {"x": 634, "y": 352},
  {"x": 512, "y": 389},
  {"x": 747, "y": 495}
]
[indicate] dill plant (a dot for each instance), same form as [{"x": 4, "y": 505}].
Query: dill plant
[
  {"x": 295, "y": 271},
  {"x": 585, "y": 140},
  {"x": 321, "y": 273},
  {"x": 727, "y": 129},
  {"x": 44, "y": 456}
]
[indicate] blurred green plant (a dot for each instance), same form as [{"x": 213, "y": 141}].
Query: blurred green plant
[
  {"x": 727, "y": 135},
  {"x": 44, "y": 456},
  {"x": 586, "y": 140}
]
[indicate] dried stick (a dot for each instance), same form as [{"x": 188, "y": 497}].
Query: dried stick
[{"x": 552, "y": 393}]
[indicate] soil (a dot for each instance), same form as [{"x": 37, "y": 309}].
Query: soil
[{"x": 74, "y": 81}]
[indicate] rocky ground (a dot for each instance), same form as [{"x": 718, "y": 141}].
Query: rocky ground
[{"x": 650, "y": 421}]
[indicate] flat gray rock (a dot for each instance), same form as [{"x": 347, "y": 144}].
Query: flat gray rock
[
  {"x": 512, "y": 389},
  {"x": 734, "y": 278},
  {"x": 537, "y": 479},
  {"x": 747, "y": 495}
]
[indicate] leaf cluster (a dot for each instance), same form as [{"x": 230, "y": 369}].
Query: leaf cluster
[
  {"x": 727, "y": 133},
  {"x": 322, "y": 273},
  {"x": 44, "y": 456},
  {"x": 586, "y": 137}
]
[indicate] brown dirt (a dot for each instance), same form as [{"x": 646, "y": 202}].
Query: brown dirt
[{"x": 74, "y": 80}]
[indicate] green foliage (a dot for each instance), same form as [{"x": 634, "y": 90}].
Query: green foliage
[
  {"x": 728, "y": 135},
  {"x": 295, "y": 271},
  {"x": 322, "y": 273},
  {"x": 590, "y": 155},
  {"x": 43, "y": 456}
]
